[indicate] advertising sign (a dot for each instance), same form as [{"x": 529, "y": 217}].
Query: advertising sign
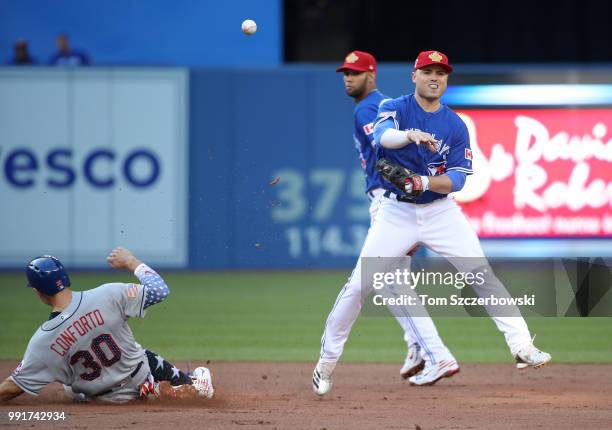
[
  {"x": 539, "y": 172},
  {"x": 90, "y": 160}
]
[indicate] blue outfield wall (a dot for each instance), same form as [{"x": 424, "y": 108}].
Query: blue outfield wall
[
  {"x": 248, "y": 127},
  {"x": 272, "y": 174}
]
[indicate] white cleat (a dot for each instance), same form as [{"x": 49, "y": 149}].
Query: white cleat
[
  {"x": 414, "y": 363},
  {"x": 530, "y": 356},
  {"x": 322, "y": 378},
  {"x": 202, "y": 382},
  {"x": 434, "y": 372}
]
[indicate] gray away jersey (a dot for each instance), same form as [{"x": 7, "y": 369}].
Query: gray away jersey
[{"x": 89, "y": 346}]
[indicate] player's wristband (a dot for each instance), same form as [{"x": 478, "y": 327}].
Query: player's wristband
[
  {"x": 142, "y": 270},
  {"x": 425, "y": 182}
]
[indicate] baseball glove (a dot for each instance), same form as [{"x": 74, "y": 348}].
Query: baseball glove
[{"x": 403, "y": 178}]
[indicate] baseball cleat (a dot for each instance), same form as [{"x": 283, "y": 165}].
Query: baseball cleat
[
  {"x": 530, "y": 356},
  {"x": 434, "y": 372},
  {"x": 322, "y": 378},
  {"x": 149, "y": 388},
  {"x": 414, "y": 363},
  {"x": 202, "y": 382}
]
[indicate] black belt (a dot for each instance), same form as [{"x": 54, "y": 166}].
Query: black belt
[
  {"x": 388, "y": 194},
  {"x": 406, "y": 199},
  {"x": 134, "y": 373}
]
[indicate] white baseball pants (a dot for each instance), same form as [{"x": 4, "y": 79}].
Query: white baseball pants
[
  {"x": 376, "y": 195},
  {"x": 397, "y": 227}
]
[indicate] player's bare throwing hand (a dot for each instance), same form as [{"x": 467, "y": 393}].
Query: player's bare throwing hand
[{"x": 121, "y": 258}]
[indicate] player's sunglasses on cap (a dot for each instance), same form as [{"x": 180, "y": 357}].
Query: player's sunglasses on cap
[
  {"x": 358, "y": 61},
  {"x": 428, "y": 58}
]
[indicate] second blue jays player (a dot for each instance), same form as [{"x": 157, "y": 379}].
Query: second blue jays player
[
  {"x": 359, "y": 71},
  {"x": 424, "y": 154}
]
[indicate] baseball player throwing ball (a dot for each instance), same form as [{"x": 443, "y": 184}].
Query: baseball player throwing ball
[
  {"x": 359, "y": 70},
  {"x": 423, "y": 152},
  {"x": 87, "y": 345}
]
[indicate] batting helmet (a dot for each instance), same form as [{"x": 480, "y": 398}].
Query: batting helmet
[{"x": 47, "y": 275}]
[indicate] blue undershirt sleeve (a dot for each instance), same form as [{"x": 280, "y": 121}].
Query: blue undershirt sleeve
[{"x": 457, "y": 178}]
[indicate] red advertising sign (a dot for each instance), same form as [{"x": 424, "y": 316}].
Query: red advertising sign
[{"x": 539, "y": 172}]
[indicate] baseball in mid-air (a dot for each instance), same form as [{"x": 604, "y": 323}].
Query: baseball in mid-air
[{"x": 249, "y": 26}]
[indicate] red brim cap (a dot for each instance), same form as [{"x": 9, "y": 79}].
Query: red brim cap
[
  {"x": 432, "y": 58},
  {"x": 353, "y": 67},
  {"x": 358, "y": 61}
]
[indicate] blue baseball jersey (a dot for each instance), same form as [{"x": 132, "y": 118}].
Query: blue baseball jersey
[
  {"x": 454, "y": 153},
  {"x": 365, "y": 115}
]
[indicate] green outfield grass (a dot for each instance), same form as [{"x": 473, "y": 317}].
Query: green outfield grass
[{"x": 279, "y": 316}]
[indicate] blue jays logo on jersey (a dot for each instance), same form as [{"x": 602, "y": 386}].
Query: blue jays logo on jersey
[
  {"x": 436, "y": 169},
  {"x": 437, "y": 161},
  {"x": 444, "y": 149}
]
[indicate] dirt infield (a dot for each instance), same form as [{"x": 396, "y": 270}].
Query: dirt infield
[{"x": 279, "y": 396}]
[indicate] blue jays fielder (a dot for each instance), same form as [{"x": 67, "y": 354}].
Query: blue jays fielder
[
  {"x": 359, "y": 71},
  {"x": 87, "y": 344},
  {"x": 428, "y": 144}
]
